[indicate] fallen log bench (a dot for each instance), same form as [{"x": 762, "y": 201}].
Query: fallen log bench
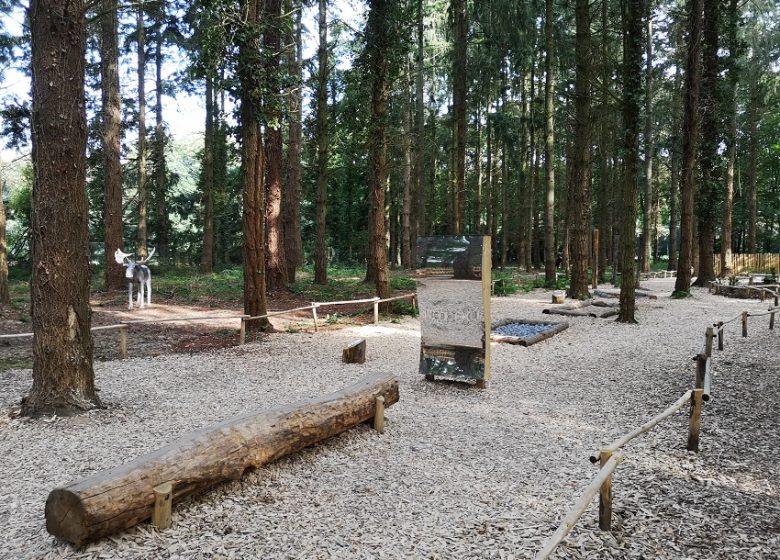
[{"x": 122, "y": 497}]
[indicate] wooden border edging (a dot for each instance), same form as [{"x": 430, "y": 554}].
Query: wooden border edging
[
  {"x": 579, "y": 507},
  {"x": 121, "y": 497}
]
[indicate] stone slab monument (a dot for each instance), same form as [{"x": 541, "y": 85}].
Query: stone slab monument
[{"x": 453, "y": 295}]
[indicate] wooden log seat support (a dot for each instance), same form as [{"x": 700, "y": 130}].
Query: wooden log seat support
[
  {"x": 122, "y": 497},
  {"x": 354, "y": 352}
]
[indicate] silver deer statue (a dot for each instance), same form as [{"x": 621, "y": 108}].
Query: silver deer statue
[{"x": 138, "y": 273}]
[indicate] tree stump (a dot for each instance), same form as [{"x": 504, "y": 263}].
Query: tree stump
[
  {"x": 558, "y": 296},
  {"x": 354, "y": 352}
]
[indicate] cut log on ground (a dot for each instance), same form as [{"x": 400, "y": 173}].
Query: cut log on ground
[
  {"x": 568, "y": 312},
  {"x": 354, "y": 352},
  {"x": 599, "y": 303},
  {"x": 559, "y": 296},
  {"x": 121, "y": 497},
  {"x": 638, "y": 293},
  {"x": 577, "y": 304}
]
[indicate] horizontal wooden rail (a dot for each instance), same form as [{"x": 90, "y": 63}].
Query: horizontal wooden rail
[
  {"x": 579, "y": 508},
  {"x": 176, "y": 319},
  {"x": 344, "y": 302},
  {"x": 647, "y": 426},
  {"x": 274, "y": 313}
]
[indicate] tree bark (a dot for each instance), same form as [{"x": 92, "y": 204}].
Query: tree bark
[
  {"x": 119, "y": 498},
  {"x": 419, "y": 154},
  {"x": 633, "y": 37},
  {"x": 710, "y": 141},
  {"x": 732, "y": 67},
  {"x": 690, "y": 141},
  {"x": 112, "y": 133},
  {"x": 549, "y": 148},
  {"x": 459, "y": 90},
  {"x": 674, "y": 181},
  {"x": 252, "y": 167},
  {"x": 5, "y": 297},
  {"x": 63, "y": 378},
  {"x": 276, "y": 267},
  {"x": 161, "y": 211},
  {"x": 207, "y": 254},
  {"x": 752, "y": 171},
  {"x": 648, "y": 138},
  {"x": 378, "y": 44},
  {"x": 320, "y": 255},
  {"x": 292, "y": 229},
  {"x": 141, "y": 249},
  {"x": 581, "y": 188},
  {"x": 406, "y": 210}
]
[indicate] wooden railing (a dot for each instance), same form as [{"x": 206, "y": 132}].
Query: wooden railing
[
  {"x": 123, "y": 326},
  {"x": 608, "y": 460}
]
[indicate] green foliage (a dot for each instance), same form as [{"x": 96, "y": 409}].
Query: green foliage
[
  {"x": 504, "y": 284},
  {"x": 680, "y": 294}
]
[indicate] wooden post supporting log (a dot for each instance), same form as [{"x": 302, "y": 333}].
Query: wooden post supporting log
[
  {"x": 242, "y": 332},
  {"x": 113, "y": 500},
  {"x": 605, "y": 493},
  {"x": 701, "y": 366},
  {"x": 694, "y": 422},
  {"x": 376, "y": 312},
  {"x": 354, "y": 352},
  {"x": 163, "y": 499},
  {"x": 744, "y": 323},
  {"x": 771, "y": 320},
  {"x": 314, "y": 314},
  {"x": 720, "y": 335},
  {"x": 379, "y": 415},
  {"x": 123, "y": 342}
]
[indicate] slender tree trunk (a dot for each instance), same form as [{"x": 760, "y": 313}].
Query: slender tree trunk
[
  {"x": 406, "y": 213},
  {"x": 459, "y": 89},
  {"x": 532, "y": 163},
  {"x": 252, "y": 168},
  {"x": 112, "y": 132},
  {"x": 581, "y": 192},
  {"x": 489, "y": 186},
  {"x": 420, "y": 213},
  {"x": 690, "y": 140},
  {"x": 320, "y": 255},
  {"x": 649, "y": 148},
  {"x": 524, "y": 173},
  {"x": 549, "y": 147},
  {"x": 5, "y": 297},
  {"x": 292, "y": 229},
  {"x": 731, "y": 135},
  {"x": 710, "y": 141},
  {"x": 141, "y": 249},
  {"x": 605, "y": 147},
  {"x": 276, "y": 267},
  {"x": 752, "y": 178},
  {"x": 675, "y": 170},
  {"x": 477, "y": 222},
  {"x": 378, "y": 43},
  {"x": 632, "y": 91},
  {"x": 161, "y": 212},
  {"x": 207, "y": 255},
  {"x": 63, "y": 378},
  {"x": 505, "y": 218}
]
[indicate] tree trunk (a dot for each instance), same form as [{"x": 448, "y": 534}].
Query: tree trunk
[
  {"x": 252, "y": 168},
  {"x": 5, "y": 297},
  {"x": 477, "y": 220},
  {"x": 732, "y": 66},
  {"x": 119, "y": 498},
  {"x": 292, "y": 229},
  {"x": 633, "y": 31},
  {"x": 489, "y": 186},
  {"x": 710, "y": 141},
  {"x": 549, "y": 148},
  {"x": 524, "y": 172},
  {"x": 112, "y": 133},
  {"x": 752, "y": 178},
  {"x": 532, "y": 173},
  {"x": 161, "y": 211},
  {"x": 459, "y": 90},
  {"x": 419, "y": 154},
  {"x": 63, "y": 379},
  {"x": 406, "y": 210},
  {"x": 674, "y": 181},
  {"x": 690, "y": 140},
  {"x": 207, "y": 255},
  {"x": 276, "y": 267},
  {"x": 378, "y": 43},
  {"x": 505, "y": 218},
  {"x": 320, "y": 256},
  {"x": 581, "y": 190},
  {"x": 141, "y": 249},
  {"x": 648, "y": 137}
]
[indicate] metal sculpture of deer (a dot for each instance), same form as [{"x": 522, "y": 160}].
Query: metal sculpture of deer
[{"x": 139, "y": 273}]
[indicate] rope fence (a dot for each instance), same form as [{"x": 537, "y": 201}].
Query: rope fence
[
  {"x": 608, "y": 460},
  {"x": 123, "y": 326}
]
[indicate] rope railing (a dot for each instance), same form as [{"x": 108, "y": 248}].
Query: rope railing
[
  {"x": 608, "y": 461},
  {"x": 122, "y": 326}
]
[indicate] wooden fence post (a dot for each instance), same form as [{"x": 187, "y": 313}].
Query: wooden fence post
[
  {"x": 242, "y": 332},
  {"x": 694, "y": 423},
  {"x": 708, "y": 341},
  {"x": 123, "y": 342},
  {"x": 163, "y": 496},
  {"x": 772, "y": 320},
  {"x": 605, "y": 494},
  {"x": 701, "y": 368},
  {"x": 314, "y": 314},
  {"x": 595, "y": 258},
  {"x": 744, "y": 323},
  {"x": 720, "y": 335},
  {"x": 376, "y": 312}
]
